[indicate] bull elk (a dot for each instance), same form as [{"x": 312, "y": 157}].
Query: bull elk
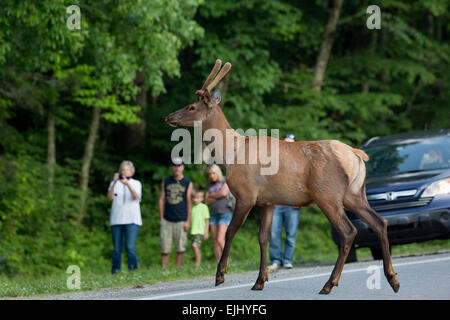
[{"x": 327, "y": 173}]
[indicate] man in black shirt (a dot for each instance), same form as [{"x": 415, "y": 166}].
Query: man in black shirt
[{"x": 175, "y": 206}]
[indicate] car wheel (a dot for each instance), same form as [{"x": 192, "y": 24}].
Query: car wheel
[
  {"x": 351, "y": 255},
  {"x": 377, "y": 253}
]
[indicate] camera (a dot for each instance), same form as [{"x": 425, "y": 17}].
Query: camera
[{"x": 121, "y": 177}]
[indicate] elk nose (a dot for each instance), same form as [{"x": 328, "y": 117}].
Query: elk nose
[{"x": 169, "y": 122}]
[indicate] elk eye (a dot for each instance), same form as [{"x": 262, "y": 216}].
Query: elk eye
[{"x": 191, "y": 108}]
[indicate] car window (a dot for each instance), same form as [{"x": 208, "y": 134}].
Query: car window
[{"x": 408, "y": 156}]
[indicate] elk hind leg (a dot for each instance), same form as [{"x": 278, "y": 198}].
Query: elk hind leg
[
  {"x": 347, "y": 233},
  {"x": 359, "y": 206}
]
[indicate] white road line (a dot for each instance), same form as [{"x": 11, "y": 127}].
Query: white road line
[
  {"x": 282, "y": 280},
  {"x": 360, "y": 269}
]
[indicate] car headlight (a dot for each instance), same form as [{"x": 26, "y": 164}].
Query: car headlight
[{"x": 437, "y": 187}]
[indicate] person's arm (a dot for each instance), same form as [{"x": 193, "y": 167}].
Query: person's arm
[
  {"x": 208, "y": 199},
  {"x": 133, "y": 192},
  {"x": 206, "y": 236},
  {"x": 161, "y": 200},
  {"x": 187, "y": 224},
  {"x": 110, "y": 194},
  {"x": 221, "y": 193}
]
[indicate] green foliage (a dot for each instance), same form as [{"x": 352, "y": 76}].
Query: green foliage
[{"x": 37, "y": 231}]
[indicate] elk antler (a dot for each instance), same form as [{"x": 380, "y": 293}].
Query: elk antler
[
  {"x": 219, "y": 77},
  {"x": 212, "y": 74}
]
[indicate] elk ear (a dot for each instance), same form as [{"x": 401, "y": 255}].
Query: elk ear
[
  {"x": 207, "y": 98},
  {"x": 216, "y": 96}
]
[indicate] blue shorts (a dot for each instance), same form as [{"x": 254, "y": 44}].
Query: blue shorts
[{"x": 220, "y": 218}]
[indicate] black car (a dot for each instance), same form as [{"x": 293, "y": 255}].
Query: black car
[{"x": 408, "y": 184}]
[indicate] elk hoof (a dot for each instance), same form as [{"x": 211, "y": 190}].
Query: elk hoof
[
  {"x": 220, "y": 278},
  {"x": 258, "y": 286},
  {"x": 325, "y": 290},
  {"x": 219, "y": 282},
  {"x": 394, "y": 283},
  {"x": 327, "y": 287}
]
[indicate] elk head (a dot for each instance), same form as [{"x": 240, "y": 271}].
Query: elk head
[{"x": 200, "y": 110}]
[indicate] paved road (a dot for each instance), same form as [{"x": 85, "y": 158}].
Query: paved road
[{"x": 421, "y": 277}]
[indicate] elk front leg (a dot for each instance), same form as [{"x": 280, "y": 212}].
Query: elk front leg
[
  {"x": 265, "y": 214},
  {"x": 240, "y": 214}
]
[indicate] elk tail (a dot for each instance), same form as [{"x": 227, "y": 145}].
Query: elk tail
[{"x": 361, "y": 154}]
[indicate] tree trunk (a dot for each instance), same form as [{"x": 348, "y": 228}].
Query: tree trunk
[
  {"x": 327, "y": 43},
  {"x": 105, "y": 137},
  {"x": 51, "y": 149},
  {"x": 372, "y": 48},
  {"x": 438, "y": 29},
  {"x": 87, "y": 160},
  {"x": 417, "y": 89},
  {"x": 430, "y": 25},
  {"x": 136, "y": 133}
]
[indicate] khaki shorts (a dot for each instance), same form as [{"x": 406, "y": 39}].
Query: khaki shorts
[{"x": 172, "y": 232}]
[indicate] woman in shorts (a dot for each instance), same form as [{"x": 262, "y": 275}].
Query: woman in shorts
[{"x": 220, "y": 213}]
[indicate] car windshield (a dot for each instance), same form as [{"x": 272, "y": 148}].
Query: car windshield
[{"x": 412, "y": 155}]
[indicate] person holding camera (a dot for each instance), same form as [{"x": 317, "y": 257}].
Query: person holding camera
[{"x": 125, "y": 219}]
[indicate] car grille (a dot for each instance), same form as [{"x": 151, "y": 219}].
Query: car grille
[{"x": 402, "y": 205}]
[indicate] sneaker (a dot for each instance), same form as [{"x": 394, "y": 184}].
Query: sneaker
[
  {"x": 288, "y": 266},
  {"x": 273, "y": 267}
]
